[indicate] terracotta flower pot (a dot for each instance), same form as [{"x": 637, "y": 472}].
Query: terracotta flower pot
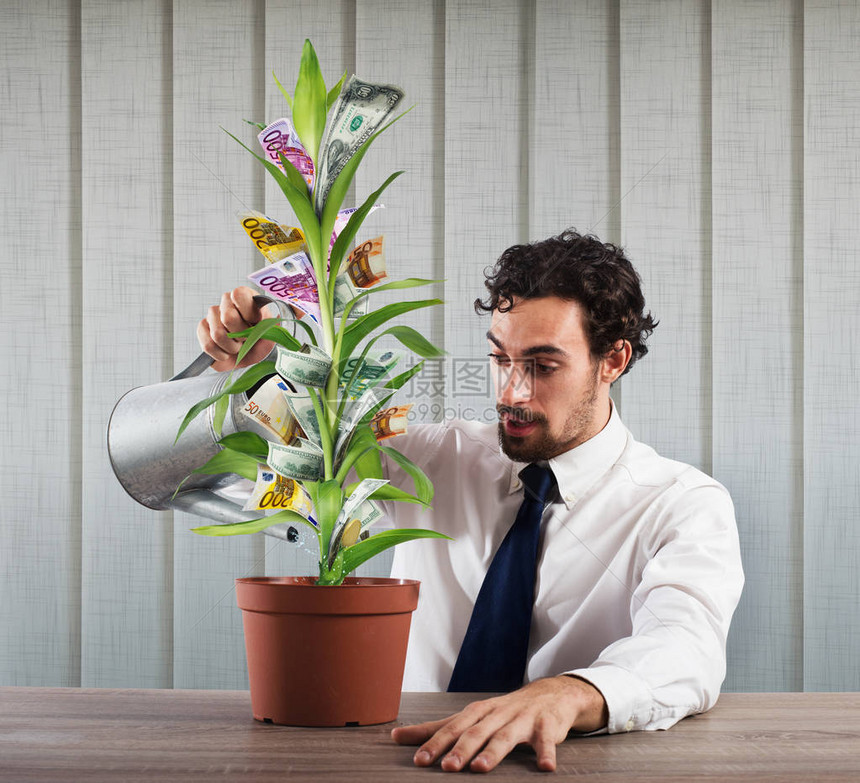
[{"x": 326, "y": 656}]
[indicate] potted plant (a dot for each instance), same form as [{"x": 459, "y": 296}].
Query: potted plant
[{"x": 320, "y": 417}]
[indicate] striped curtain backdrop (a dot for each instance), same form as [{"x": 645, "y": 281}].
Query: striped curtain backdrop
[{"x": 718, "y": 142}]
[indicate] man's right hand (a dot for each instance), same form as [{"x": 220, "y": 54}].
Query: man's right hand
[{"x": 236, "y": 312}]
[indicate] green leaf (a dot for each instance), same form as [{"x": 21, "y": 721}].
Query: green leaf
[
  {"x": 309, "y": 102},
  {"x": 347, "y": 235},
  {"x": 387, "y": 492},
  {"x": 307, "y": 327},
  {"x": 277, "y": 334},
  {"x": 362, "y": 440},
  {"x": 258, "y": 125},
  {"x": 330, "y": 499},
  {"x": 220, "y": 413},
  {"x": 396, "y": 285},
  {"x": 229, "y": 461},
  {"x": 293, "y": 174},
  {"x": 398, "y": 381},
  {"x": 334, "y": 92},
  {"x": 298, "y": 199},
  {"x": 254, "y": 526},
  {"x": 363, "y": 326},
  {"x": 423, "y": 485},
  {"x": 283, "y": 92},
  {"x": 359, "y": 553},
  {"x": 255, "y": 334},
  {"x": 369, "y": 465},
  {"x": 340, "y": 186},
  {"x": 247, "y": 443},
  {"x": 251, "y": 376},
  {"x": 415, "y": 341}
]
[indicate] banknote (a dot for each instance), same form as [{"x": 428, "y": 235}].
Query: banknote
[
  {"x": 274, "y": 241},
  {"x": 302, "y": 409},
  {"x": 371, "y": 371},
  {"x": 361, "y": 109},
  {"x": 349, "y": 527},
  {"x": 343, "y": 217},
  {"x": 353, "y": 414},
  {"x": 365, "y": 265},
  {"x": 344, "y": 293},
  {"x": 300, "y": 460},
  {"x": 390, "y": 422},
  {"x": 269, "y": 409},
  {"x": 291, "y": 279},
  {"x": 308, "y": 366},
  {"x": 281, "y": 136},
  {"x": 274, "y": 492}
]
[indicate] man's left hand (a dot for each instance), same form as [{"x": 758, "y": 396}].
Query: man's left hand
[{"x": 480, "y": 736}]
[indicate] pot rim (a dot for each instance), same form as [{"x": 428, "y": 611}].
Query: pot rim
[{"x": 310, "y": 581}]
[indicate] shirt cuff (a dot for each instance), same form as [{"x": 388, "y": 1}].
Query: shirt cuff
[{"x": 628, "y": 699}]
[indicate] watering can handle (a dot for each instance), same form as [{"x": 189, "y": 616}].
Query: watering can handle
[{"x": 204, "y": 361}]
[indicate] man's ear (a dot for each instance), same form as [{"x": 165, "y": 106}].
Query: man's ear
[{"x": 614, "y": 362}]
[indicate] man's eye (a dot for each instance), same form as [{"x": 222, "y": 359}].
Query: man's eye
[
  {"x": 546, "y": 369},
  {"x": 499, "y": 359}
]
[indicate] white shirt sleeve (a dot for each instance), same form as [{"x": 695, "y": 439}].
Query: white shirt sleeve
[{"x": 673, "y": 663}]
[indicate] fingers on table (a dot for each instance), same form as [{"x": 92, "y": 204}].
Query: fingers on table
[{"x": 481, "y": 736}]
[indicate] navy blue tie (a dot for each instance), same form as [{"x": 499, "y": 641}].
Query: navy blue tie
[{"x": 494, "y": 651}]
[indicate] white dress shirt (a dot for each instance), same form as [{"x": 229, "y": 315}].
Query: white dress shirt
[{"x": 638, "y": 575}]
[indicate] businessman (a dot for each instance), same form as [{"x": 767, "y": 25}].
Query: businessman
[{"x": 591, "y": 581}]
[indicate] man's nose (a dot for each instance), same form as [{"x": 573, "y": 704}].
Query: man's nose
[{"x": 515, "y": 385}]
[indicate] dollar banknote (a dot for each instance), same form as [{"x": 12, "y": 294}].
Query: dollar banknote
[
  {"x": 268, "y": 409},
  {"x": 356, "y": 519},
  {"x": 274, "y": 241},
  {"x": 280, "y": 136},
  {"x": 353, "y": 414},
  {"x": 291, "y": 279},
  {"x": 274, "y": 492},
  {"x": 390, "y": 422},
  {"x": 372, "y": 370},
  {"x": 308, "y": 366},
  {"x": 302, "y": 409},
  {"x": 361, "y": 109},
  {"x": 300, "y": 460},
  {"x": 344, "y": 293}
]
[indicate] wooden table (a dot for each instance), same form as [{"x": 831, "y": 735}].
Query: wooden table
[{"x": 70, "y": 734}]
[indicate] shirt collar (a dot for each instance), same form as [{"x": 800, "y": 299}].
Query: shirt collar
[{"x": 577, "y": 470}]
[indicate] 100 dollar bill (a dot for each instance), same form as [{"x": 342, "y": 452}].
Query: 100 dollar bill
[{"x": 361, "y": 109}]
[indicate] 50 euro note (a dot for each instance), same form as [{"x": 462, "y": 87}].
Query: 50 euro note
[
  {"x": 269, "y": 410},
  {"x": 274, "y": 492},
  {"x": 364, "y": 268},
  {"x": 274, "y": 241},
  {"x": 292, "y": 280},
  {"x": 362, "y": 108},
  {"x": 281, "y": 137},
  {"x": 390, "y": 422}
]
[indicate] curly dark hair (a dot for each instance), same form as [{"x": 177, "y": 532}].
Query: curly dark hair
[{"x": 596, "y": 275}]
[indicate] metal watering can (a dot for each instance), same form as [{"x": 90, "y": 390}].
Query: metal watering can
[{"x": 140, "y": 440}]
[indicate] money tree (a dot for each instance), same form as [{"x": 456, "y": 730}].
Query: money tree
[{"x": 319, "y": 413}]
